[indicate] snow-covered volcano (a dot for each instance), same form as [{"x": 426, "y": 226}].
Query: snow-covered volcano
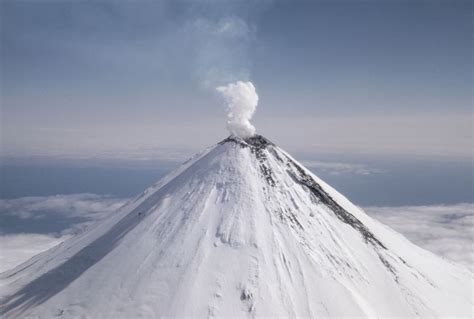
[{"x": 241, "y": 229}]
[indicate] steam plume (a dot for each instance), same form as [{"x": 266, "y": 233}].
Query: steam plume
[{"x": 241, "y": 100}]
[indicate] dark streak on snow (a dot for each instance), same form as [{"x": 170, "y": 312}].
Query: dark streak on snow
[
  {"x": 258, "y": 144},
  {"x": 17, "y": 270},
  {"x": 294, "y": 219},
  {"x": 287, "y": 215},
  {"x": 388, "y": 266},
  {"x": 320, "y": 195}
]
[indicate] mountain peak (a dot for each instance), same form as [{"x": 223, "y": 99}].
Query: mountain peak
[
  {"x": 240, "y": 230},
  {"x": 255, "y": 141}
]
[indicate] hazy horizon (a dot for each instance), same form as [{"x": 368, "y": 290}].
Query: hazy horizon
[{"x": 85, "y": 79}]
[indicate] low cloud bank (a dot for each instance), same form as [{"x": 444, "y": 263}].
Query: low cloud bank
[
  {"x": 447, "y": 231},
  {"x": 31, "y": 225},
  {"x": 336, "y": 168},
  {"x": 54, "y": 215},
  {"x": 18, "y": 248}
]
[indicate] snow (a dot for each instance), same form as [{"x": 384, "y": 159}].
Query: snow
[{"x": 242, "y": 230}]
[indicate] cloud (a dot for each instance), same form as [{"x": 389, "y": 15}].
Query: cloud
[
  {"x": 54, "y": 215},
  {"x": 18, "y": 248},
  {"x": 336, "y": 168},
  {"x": 444, "y": 230},
  {"x": 30, "y": 225}
]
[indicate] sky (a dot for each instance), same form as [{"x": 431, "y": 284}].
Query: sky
[
  {"x": 135, "y": 79},
  {"x": 106, "y": 97}
]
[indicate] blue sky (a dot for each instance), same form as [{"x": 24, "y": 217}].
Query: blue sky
[{"x": 377, "y": 77}]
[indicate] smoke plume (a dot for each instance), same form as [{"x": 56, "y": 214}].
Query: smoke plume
[{"x": 241, "y": 101}]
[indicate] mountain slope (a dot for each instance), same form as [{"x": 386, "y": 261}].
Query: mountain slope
[{"x": 244, "y": 230}]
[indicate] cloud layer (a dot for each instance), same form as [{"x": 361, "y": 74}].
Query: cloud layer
[
  {"x": 18, "y": 248},
  {"x": 30, "y": 225},
  {"x": 336, "y": 168},
  {"x": 54, "y": 215},
  {"x": 444, "y": 230}
]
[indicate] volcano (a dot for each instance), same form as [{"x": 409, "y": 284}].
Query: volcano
[{"x": 241, "y": 229}]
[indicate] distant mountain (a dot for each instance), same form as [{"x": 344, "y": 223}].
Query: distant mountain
[{"x": 244, "y": 230}]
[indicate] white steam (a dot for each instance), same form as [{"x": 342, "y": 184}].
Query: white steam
[{"x": 241, "y": 101}]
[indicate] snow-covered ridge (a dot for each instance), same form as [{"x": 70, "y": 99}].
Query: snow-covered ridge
[{"x": 240, "y": 230}]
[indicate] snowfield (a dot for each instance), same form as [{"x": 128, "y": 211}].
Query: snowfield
[{"x": 242, "y": 229}]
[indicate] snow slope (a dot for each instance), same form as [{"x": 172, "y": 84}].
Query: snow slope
[{"x": 241, "y": 230}]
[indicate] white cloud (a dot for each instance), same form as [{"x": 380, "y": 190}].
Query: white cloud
[
  {"x": 18, "y": 248},
  {"x": 55, "y": 215},
  {"x": 444, "y": 230},
  {"x": 30, "y": 225},
  {"x": 336, "y": 168}
]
